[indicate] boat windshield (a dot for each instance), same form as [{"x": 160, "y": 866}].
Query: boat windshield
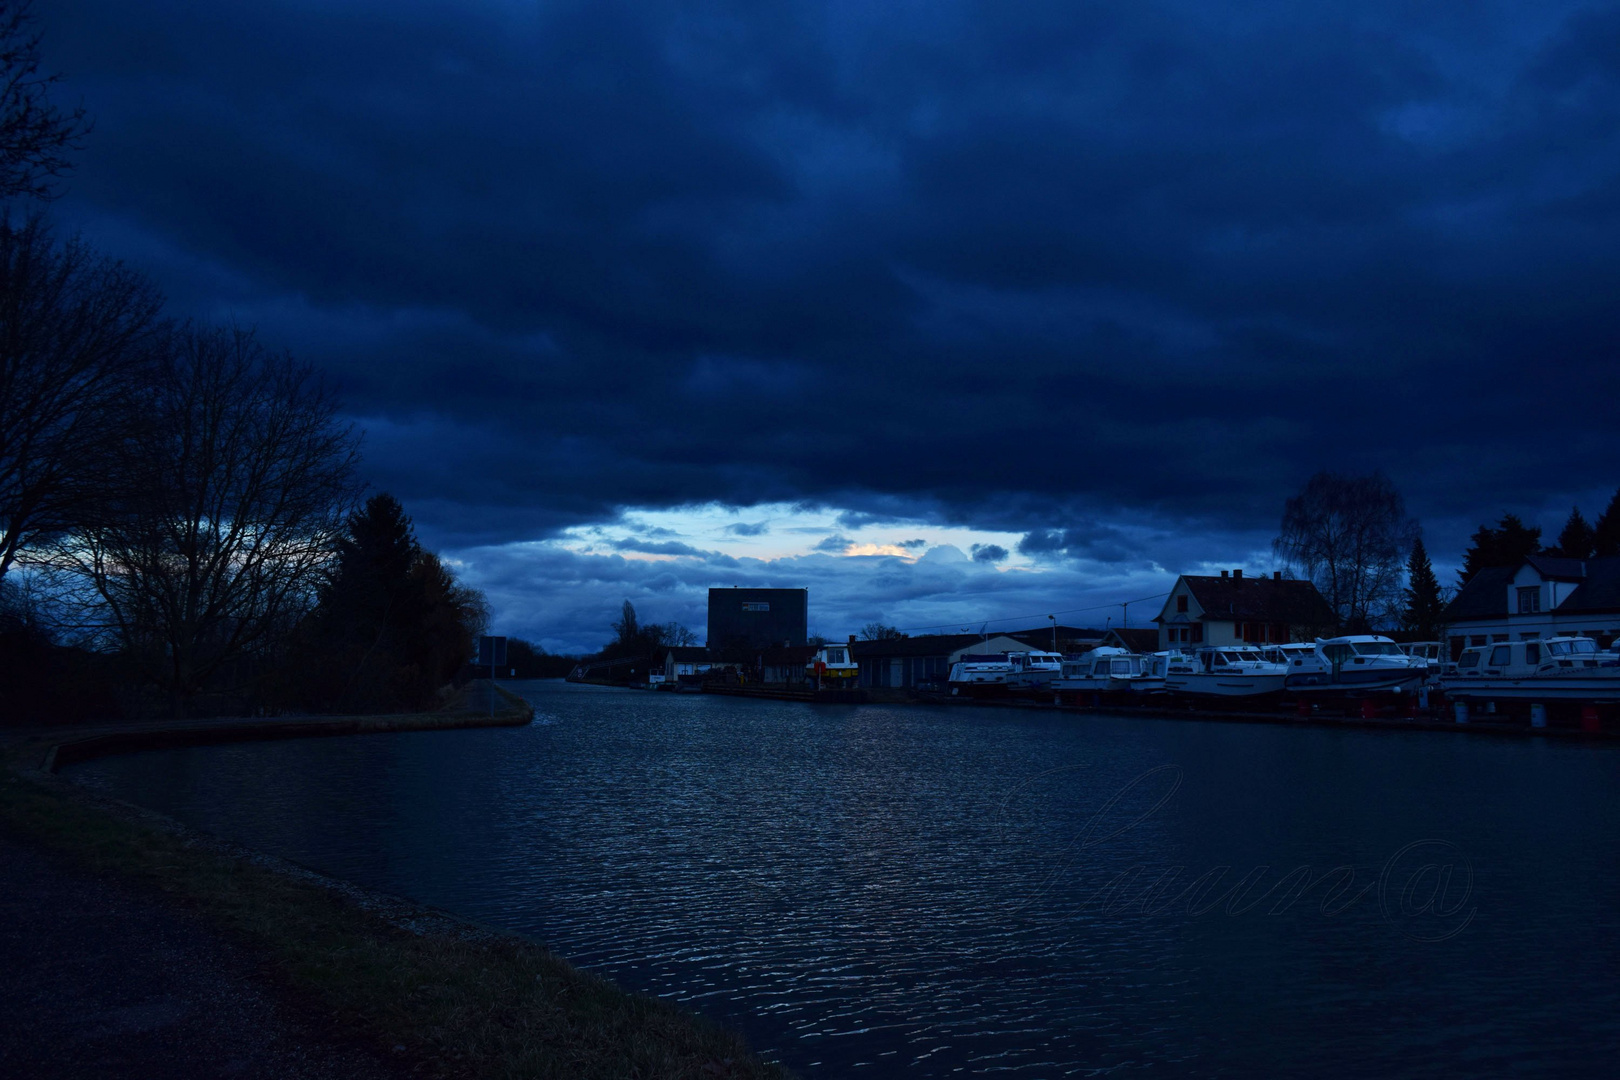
[
  {"x": 1468, "y": 660},
  {"x": 1377, "y": 648},
  {"x": 1576, "y": 647}
]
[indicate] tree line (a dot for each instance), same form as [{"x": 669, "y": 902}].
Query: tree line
[
  {"x": 182, "y": 502},
  {"x": 1351, "y": 536},
  {"x": 180, "y": 517}
]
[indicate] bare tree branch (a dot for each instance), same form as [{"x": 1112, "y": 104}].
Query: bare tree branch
[
  {"x": 1349, "y": 535},
  {"x": 225, "y": 510},
  {"x": 35, "y": 135},
  {"x": 76, "y": 330}
]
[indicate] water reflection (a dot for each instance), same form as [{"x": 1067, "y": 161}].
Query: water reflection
[{"x": 930, "y": 891}]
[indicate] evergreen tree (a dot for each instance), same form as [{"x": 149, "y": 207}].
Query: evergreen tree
[
  {"x": 1424, "y": 605},
  {"x": 1509, "y": 544},
  {"x": 1575, "y": 542},
  {"x": 1606, "y": 533},
  {"x": 393, "y": 625}
]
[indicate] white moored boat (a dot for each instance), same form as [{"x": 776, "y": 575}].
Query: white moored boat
[
  {"x": 1101, "y": 671},
  {"x": 1001, "y": 672},
  {"x": 1556, "y": 669},
  {"x": 1356, "y": 665},
  {"x": 1224, "y": 671}
]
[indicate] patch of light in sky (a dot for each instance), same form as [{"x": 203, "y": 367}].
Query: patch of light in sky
[{"x": 788, "y": 531}]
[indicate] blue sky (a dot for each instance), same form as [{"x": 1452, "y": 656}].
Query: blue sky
[{"x": 1097, "y": 285}]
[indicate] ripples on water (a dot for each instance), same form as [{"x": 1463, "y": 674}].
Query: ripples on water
[{"x": 926, "y": 891}]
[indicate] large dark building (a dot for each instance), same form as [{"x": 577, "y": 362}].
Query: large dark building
[{"x": 758, "y": 618}]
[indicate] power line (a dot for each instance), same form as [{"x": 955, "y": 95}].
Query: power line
[{"x": 1041, "y": 614}]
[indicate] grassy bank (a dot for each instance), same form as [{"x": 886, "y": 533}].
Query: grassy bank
[{"x": 460, "y": 1000}]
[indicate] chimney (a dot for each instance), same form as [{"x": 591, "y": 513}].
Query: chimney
[
  {"x": 1237, "y": 574},
  {"x": 852, "y": 639},
  {"x": 1223, "y": 573},
  {"x": 1276, "y": 575}
]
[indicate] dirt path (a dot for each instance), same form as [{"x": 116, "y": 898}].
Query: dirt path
[{"x": 101, "y": 979}]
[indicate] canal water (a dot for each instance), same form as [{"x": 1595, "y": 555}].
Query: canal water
[{"x": 927, "y": 892}]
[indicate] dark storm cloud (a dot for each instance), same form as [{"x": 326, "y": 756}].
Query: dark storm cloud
[
  {"x": 747, "y": 528},
  {"x": 656, "y": 547},
  {"x": 1015, "y": 266},
  {"x": 989, "y": 553}
]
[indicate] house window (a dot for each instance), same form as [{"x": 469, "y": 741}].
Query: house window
[
  {"x": 1476, "y": 639},
  {"x": 1181, "y": 603},
  {"x": 1197, "y": 632},
  {"x": 1530, "y": 600}
]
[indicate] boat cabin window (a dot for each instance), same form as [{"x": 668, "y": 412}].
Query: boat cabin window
[
  {"x": 1532, "y": 652},
  {"x": 835, "y": 656},
  {"x": 1470, "y": 658},
  {"x": 1101, "y": 669},
  {"x": 1337, "y": 653},
  {"x": 1377, "y": 648},
  {"x": 1500, "y": 654},
  {"x": 1124, "y": 667}
]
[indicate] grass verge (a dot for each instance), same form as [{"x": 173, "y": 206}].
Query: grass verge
[{"x": 462, "y": 1001}]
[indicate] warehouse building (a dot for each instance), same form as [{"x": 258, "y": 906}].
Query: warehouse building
[{"x": 752, "y": 619}]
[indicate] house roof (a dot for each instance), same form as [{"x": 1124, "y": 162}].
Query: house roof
[
  {"x": 1557, "y": 569},
  {"x": 1135, "y": 639},
  {"x": 1260, "y": 599},
  {"x": 922, "y": 645},
  {"x": 1483, "y": 596},
  {"x": 1599, "y": 591},
  {"x": 1040, "y": 637}
]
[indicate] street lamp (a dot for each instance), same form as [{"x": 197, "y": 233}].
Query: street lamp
[{"x": 1054, "y": 631}]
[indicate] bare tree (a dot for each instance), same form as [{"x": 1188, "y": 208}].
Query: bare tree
[
  {"x": 75, "y": 330},
  {"x": 35, "y": 135},
  {"x": 876, "y": 631},
  {"x": 1350, "y": 536},
  {"x": 224, "y": 513}
]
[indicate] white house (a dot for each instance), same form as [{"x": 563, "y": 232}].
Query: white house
[
  {"x": 1541, "y": 597},
  {"x": 1227, "y": 610}
]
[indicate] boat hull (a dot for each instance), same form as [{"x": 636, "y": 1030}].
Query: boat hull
[
  {"x": 1580, "y": 689},
  {"x": 1356, "y": 683},
  {"x": 1200, "y": 684}
]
